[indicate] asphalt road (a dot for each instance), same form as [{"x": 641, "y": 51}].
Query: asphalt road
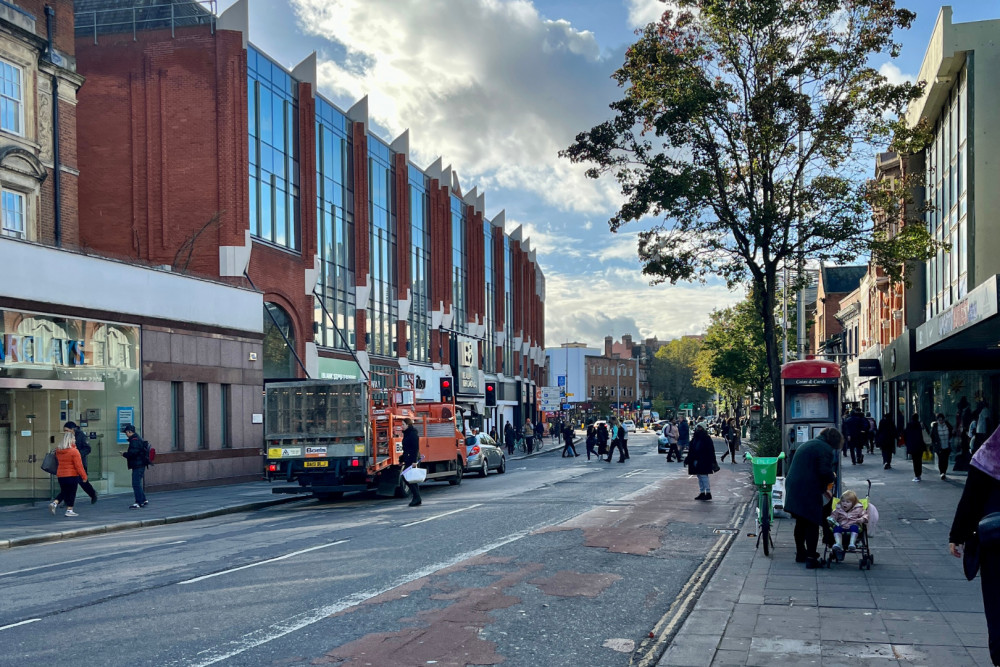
[{"x": 557, "y": 562}]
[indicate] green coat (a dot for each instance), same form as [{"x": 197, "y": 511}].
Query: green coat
[{"x": 808, "y": 477}]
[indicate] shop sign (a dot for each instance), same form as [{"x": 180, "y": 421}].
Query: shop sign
[
  {"x": 338, "y": 369},
  {"x": 29, "y": 350},
  {"x": 869, "y": 368},
  {"x": 980, "y": 304},
  {"x": 468, "y": 366}
]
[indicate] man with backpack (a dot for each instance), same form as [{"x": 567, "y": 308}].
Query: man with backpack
[{"x": 137, "y": 456}]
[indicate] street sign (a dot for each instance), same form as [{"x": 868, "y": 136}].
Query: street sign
[{"x": 561, "y": 380}]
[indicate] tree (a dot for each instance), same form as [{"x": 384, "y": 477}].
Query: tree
[
  {"x": 743, "y": 125},
  {"x": 673, "y": 370}
]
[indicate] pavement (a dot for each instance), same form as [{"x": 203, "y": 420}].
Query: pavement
[
  {"x": 32, "y": 523},
  {"x": 914, "y": 607}
]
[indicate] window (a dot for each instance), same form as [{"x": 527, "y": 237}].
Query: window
[
  {"x": 11, "y": 99},
  {"x": 12, "y": 204},
  {"x": 203, "y": 436},
  {"x": 177, "y": 415},
  {"x": 226, "y": 414}
]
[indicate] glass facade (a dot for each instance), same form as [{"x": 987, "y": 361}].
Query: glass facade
[
  {"x": 489, "y": 345},
  {"x": 335, "y": 219},
  {"x": 96, "y": 368},
  {"x": 273, "y": 108},
  {"x": 508, "y": 288},
  {"x": 420, "y": 265},
  {"x": 382, "y": 308},
  {"x": 947, "y": 192},
  {"x": 279, "y": 362},
  {"x": 459, "y": 272}
]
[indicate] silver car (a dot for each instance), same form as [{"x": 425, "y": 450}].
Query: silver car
[{"x": 484, "y": 457}]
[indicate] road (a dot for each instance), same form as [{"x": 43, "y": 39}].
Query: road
[{"x": 557, "y": 562}]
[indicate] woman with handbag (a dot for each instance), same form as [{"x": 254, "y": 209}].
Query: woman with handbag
[
  {"x": 977, "y": 520},
  {"x": 701, "y": 461},
  {"x": 69, "y": 474},
  {"x": 411, "y": 457}
]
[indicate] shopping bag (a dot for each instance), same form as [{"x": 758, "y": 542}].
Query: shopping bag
[
  {"x": 50, "y": 464},
  {"x": 414, "y": 475}
]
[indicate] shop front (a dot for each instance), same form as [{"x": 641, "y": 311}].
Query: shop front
[{"x": 55, "y": 369}]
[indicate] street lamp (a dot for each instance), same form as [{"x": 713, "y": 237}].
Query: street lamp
[{"x": 618, "y": 391}]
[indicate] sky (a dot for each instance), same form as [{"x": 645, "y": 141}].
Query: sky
[{"x": 497, "y": 88}]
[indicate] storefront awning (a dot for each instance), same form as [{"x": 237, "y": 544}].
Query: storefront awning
[{"x": 972, "y": 323}]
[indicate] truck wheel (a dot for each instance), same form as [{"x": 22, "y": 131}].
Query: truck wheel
[
  {"x": 326, "y": 497},
  {"x": 457, "y": 479},
  {"x": 402, "y": 490},
  {"x": 503, "y": 465}
]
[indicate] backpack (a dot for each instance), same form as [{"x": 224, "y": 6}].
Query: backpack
[{"x": 148, "y": 453}]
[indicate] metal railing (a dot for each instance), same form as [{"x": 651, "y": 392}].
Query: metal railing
[{"x": 145, "y": 15}]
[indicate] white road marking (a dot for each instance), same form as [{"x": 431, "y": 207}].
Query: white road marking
[
  {"x": 438, "y": 516},
  {"x": 14, "y": 625},
  {"x": 78, "y": 560},
  {"x": 632, "y": 473},
  {"x": 305, "y": 619},
  {"x": 263, "y": 562}
]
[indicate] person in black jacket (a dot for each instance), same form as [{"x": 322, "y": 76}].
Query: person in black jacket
[
  {"x": 809, "y": 476},
  {"x": 856, "y": 435},
  {"x": 411, "y": 456},
  {"x": 567, "y": 434},
  {"x": 981, "y": 497},
  {"x": 137, "y": 458},
  {"x": 913, "y": 438},
  {"x": 701, "y": 460},
  {"x": 82, "y": 446},
  {"x": 885, "y": 439},
  {"x": 509, "y": 438}
]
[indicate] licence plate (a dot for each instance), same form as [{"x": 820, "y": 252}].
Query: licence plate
[{"x": 316, "y": 464}]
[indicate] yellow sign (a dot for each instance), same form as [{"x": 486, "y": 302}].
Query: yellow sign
[
  {"x": 359, "y": 449},
  {"x": 316, "y": 464}
]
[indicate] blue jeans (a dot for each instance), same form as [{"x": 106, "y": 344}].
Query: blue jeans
[
  {"x": 703, "y": 484},
  {"x": 137, "y": 478}
]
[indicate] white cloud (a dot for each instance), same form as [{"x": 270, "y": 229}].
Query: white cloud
[
  {"x": 612, "y": 302},
  {"x": 641, "y": 12},
  {"x": 492, "y": 86},
  {"x": 895, "y": 75}
]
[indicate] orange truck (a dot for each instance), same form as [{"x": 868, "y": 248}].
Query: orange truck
[{"x": 329, "y": 437}]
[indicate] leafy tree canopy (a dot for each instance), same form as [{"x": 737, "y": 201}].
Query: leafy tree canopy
[{"x": 717, "y": 98}]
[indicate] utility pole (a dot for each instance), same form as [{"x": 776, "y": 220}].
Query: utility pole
[{"x": 800, "y": 307}]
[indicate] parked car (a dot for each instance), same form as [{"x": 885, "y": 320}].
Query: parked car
[
  {"x": 484, "y": 457},
  {"x": 658, "y": 425},
  {"x": 629, "y": 425}
]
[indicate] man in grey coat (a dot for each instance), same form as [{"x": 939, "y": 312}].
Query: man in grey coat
[{"x": 809, "y": 476}]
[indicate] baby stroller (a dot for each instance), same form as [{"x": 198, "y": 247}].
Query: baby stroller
[{"x": 862, "y": 547}]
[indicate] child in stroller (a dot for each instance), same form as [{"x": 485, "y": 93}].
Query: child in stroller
[{"x": 848, "y": 517}]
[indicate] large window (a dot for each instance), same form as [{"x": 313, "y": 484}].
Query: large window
[
  {"x": 279, "y": 362},
  {"x": 272, "y": 98},
  {"x": 11, "y": 98},
  {"x": 508, "y": 308},
  {"x": 382, "y": 307},
  {"x": 947, "y": 194},
  {"x": 459, "y": 269},
  {"x": 420, "y": 263},
  {"x": 490, "y": 356},
  {"x": 335, "y": 218},
  {"x": 12, "y": 204}
]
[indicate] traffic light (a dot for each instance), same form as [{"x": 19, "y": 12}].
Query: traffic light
[
  {"x": 491, "y": 394},
  {"x": 446, "y": 389}
]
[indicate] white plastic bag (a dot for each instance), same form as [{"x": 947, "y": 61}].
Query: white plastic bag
[{"x": 414, "y": 475}]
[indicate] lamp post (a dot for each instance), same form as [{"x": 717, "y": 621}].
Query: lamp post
[{"x": 618, "y": 391}]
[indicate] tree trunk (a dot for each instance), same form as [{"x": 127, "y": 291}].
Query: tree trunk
[{"x": 764, "y": 299}]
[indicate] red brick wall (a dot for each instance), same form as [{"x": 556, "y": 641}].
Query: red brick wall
[{"x": 62, "y": 34}]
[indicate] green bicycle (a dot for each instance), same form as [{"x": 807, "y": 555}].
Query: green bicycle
[{"x": 765, "y": 472}]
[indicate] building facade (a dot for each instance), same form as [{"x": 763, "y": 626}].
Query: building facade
[{"x": 201, "y": 152}]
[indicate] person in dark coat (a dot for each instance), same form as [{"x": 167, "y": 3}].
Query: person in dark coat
[
  {"x": 411, "y": 456},
  {"x": 83, "y": 446},
  {"x": 980, "y": 497},
  {"x": 856, "y": 435},
  {"x": 886, "y": 436},
  {"x": 701, "y": 461},
  {"x": 138, "y": 459},
  {"x": 602, "y": 440},
  {"x": 809, "y": 477},
  {"x": 567, "y": 434},
  {"x": 913, "y": 437},
  {"x": 683, "y": 436},
  {"x": 509, "y": 438}
]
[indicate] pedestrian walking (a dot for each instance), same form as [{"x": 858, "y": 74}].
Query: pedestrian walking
[
  {"x": 732, "y": 441},
  {"x": 509, "y": 437},
  {"x": 941, "y": 434},
  {"x": 529, "y": 436},
  {"x": 856, "y": 436},
  {"x": 806, "y": 491},
  {"x": 981, "y": 500},
  {"x": 137, "y": 458},
  {"x": 591, "y": 441},
  {"x": 602, "y": 439},
  {"x": 885, "y": 439},
  {"x": 683, "y": 436},
  {"x": 411, "y": 457},
  {"x": 913, "y": 438},
  {"x": 671, "y": 432},
  {"x": 701, "y": 461},
  {"x": 871, "y": 432},
  {"x": 616, "y": 441},
  {"x": 82, "y": 444},
  {"x": 568, "y": 448},
  {"x": 69, "y": 473}
]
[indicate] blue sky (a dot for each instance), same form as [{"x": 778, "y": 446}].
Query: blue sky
[{"x": 496, "y": 88}]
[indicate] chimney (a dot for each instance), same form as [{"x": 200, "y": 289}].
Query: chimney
[
  {"x": 607, "y": 346},
  {"x": 627, "y": 342}
]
